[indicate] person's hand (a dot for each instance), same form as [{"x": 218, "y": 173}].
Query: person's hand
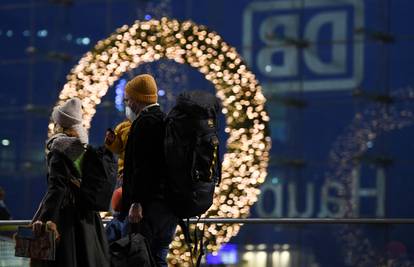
[
  {"x": 109, "y": 137},
  {"x": 51, "y": 226},
  {"x": 37, "y": 227},
  {"x": 135, "y": 213}
]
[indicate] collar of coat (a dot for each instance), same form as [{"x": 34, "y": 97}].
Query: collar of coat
[
  {"x": 69, "y": 146},
  {"x": 150, "y": 106}
]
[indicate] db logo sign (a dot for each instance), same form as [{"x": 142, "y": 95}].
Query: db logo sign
[{"x": 309, "y": 45}]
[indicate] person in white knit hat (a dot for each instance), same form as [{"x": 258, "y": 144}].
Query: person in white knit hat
[
  {"x": 68, "y": 118},
  {"x": 82, "y": 242}
]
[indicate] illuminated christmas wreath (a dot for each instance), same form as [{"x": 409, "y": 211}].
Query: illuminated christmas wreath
[{"x": 245, "y": 163}]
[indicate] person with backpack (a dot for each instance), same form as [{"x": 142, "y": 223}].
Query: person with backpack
[
  {"x": 77, "y": 189},
  {"x": 145, "y": 172}
]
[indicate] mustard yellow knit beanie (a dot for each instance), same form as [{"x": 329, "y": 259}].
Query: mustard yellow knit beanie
[{"x": 142, "y": 89}]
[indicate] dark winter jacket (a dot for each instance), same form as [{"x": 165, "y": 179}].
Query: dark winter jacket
[
  {"x": 83, "y": 241},
  {"x": 144, "y": 167}
]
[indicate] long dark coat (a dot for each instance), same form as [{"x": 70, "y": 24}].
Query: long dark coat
[
  {"x": 82, "y": 237},
  {"x": 144, "y": 166}
]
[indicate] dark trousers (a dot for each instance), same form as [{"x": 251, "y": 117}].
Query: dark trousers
[{"x": 158, "y": 226}]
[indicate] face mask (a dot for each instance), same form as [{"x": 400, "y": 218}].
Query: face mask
[
  {"x": 130, "y": 114},
  {"x": 83, "y": 134}
]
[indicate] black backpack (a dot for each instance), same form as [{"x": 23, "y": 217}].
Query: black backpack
[
  {"x": 98, "y": 178},
  {"x": 192, "y": 153}
]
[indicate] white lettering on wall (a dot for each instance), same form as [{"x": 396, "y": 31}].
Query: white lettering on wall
[
  {"x": 330, "y": 194},
  {"x": 332, "y": 61}
]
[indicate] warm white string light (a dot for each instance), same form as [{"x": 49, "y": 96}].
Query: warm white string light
[{"x": 248, "y": 144}]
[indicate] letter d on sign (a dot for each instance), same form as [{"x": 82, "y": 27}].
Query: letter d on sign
[{"x": 337, "y": 64}]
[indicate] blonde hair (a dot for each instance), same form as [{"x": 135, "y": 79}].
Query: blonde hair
[{"x": 68, "y": 131}]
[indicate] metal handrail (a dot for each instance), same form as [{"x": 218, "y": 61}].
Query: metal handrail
[{"x": 273, "y": 221}]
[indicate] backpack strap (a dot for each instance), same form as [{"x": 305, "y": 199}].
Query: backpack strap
[
  {"x": 202, "y": 250},
  {"x": 196, "y": 237},
  {"x": 72, "y": 179},
  {"x": 219, "y": 166},
  {"x": 186, "y": 231},
  {"x": 198, "y": 240},
  {"x": 185, "y": 227}
]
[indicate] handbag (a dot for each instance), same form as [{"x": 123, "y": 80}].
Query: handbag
[
  {"x": 39, "y": 247},
  {"x": 130, "y": 251},
  {"x": 29, "y": 245}
]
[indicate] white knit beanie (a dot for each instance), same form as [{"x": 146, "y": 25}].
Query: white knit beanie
[{"x": 68, "y": 114}]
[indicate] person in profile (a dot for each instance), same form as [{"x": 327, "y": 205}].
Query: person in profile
[
  {"x": 81, "y": 239},
  {"x": 4, "y": 211},
  {"x": 144, "y": 199}
]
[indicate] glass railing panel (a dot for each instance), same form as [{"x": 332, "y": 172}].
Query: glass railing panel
[{"x": 313, "y": 243}]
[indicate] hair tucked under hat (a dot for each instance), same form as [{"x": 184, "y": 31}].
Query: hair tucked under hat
[
  {"x": 68, "y": 114},
  {"x": 142, "y": 89}
]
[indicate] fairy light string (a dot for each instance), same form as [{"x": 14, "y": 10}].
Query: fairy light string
[{"x": 363, "y": 130}]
